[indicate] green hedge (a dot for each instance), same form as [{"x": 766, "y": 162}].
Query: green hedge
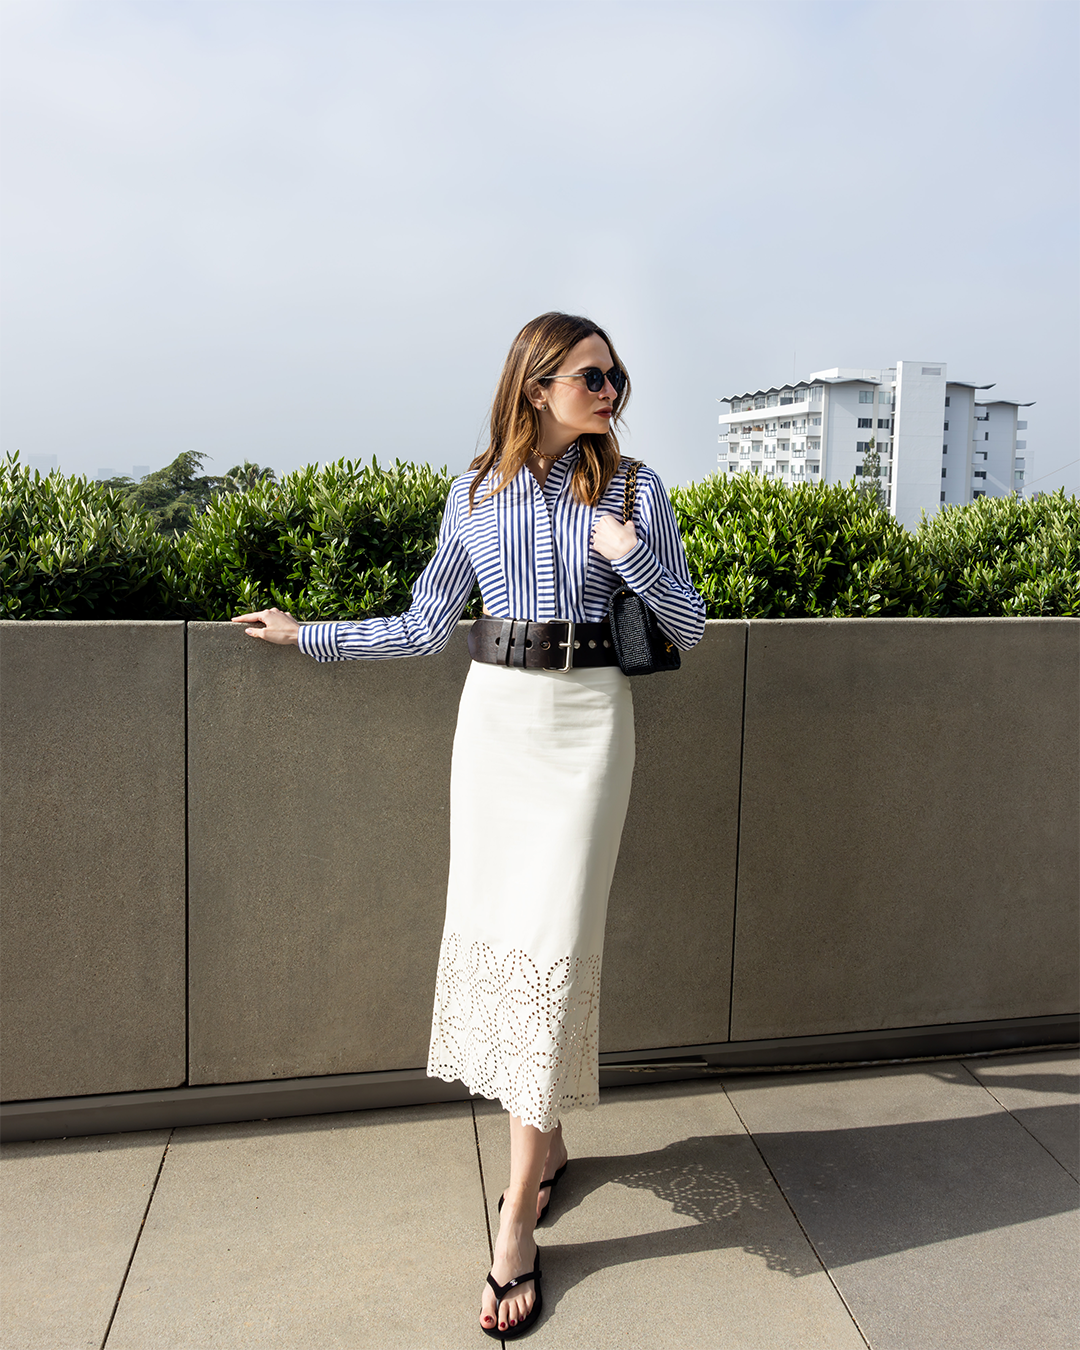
[
  {"x": 1007, "y": 555},
  {"x": 344, "y": 541},
  {"x": 348, "y": 540},
  {"x": 71, "y": 549},
  {"x": 760, "y": 550}
]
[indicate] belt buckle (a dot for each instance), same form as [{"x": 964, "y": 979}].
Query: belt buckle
[{"x": 568, "y": 644}]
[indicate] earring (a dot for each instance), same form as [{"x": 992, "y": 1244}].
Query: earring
[{"x": 543, "y": 407}]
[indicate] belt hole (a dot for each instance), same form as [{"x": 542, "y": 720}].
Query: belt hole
[
  {"x": 528, "y": 642},
  {"x": 592, "y": 643},
  {"x": 545, "y": 645},
  {"x": 576, "y": 645},
  {"x": 606, "y": 643}
]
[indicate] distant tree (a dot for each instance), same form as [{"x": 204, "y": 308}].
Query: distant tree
[
  {"x": 175, "y": 495},
  {"x": 244, "y": 477},
  {"x": 871, "y": 474}
]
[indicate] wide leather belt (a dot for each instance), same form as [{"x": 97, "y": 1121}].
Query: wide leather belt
[{"x": 558, "y": 644}]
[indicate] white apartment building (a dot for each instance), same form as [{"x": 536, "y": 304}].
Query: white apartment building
[{"x": 938, "y": 443}]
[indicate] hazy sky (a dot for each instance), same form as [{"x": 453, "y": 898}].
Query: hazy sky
[{"x": 295, "y": 230}]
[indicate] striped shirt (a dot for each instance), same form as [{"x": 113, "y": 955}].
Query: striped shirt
[{"x": 529, "y": 549}]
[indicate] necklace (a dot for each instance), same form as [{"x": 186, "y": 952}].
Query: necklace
[{"x": 540, "y": 455}]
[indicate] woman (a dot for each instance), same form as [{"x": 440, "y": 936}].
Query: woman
[{"x": 543, "y": 753}]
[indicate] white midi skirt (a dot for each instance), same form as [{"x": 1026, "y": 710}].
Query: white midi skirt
[{"x": 538, "y": 793}]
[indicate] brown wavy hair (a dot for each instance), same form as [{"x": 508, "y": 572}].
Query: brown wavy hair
[{"x": 538, "y": 351}]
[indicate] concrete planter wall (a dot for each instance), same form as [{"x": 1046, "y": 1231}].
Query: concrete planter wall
[{"x": 223, "y": 863}]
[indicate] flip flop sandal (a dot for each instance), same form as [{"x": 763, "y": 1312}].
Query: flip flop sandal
[{"x": 501, "y": 1290}]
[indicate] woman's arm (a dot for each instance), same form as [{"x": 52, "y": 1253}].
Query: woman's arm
[
  {"x": 439, "y": 597},
  {"x": 655, "y": 565}
]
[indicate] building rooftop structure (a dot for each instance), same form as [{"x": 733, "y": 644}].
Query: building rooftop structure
[{"x": 925, "y": 429}]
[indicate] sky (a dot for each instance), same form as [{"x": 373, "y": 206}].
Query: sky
[{"x": 293, "y": 231}]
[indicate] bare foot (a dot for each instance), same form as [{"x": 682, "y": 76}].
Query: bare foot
[{"x": 515, "y": 1255}]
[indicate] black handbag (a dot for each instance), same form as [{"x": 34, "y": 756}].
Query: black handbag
[{"x": 639, "y": 644}]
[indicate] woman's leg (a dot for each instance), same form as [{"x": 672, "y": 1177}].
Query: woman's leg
[
  {"x": 556, "y": 1156},
  {"x": 515, "y": 1250}
]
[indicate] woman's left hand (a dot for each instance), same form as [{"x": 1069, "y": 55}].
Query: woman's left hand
[{"x": 611, "y": 538}]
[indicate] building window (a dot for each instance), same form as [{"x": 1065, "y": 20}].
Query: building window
[
  {"x": 986, "y": 435},
  {"x": 861, "y": 447},
  {"x": 866, "y": 421},
  {"x": 931, "y": 370},
  {"x": 1019, "y": 475},
  {"x": 866, "y": 396},
  {"x": 946, "y": 426},
  {"x": 946, "y": 400},
  {"x": 816, "y": 468},
  {"x": 883, "y": 424},
  {"x": 977, "y": 494},
  {"x": 943, "y": 496},
  {"x": 944, "y": 449},
  {"x": 979, "y": 473},
  {"x": 944, "y": 471}
]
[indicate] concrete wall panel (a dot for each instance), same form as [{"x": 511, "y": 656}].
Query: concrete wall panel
[
  {"x": 92, "y": 857},
  {"x": 667, "y": 958},
  {"x": 908, "y": 849},
  {"x": 318, "y": 846}
]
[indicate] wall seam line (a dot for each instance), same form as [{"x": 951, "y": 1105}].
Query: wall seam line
[
  {"x": 738, "y": 827},
  {"x": 187, "y": 884}
]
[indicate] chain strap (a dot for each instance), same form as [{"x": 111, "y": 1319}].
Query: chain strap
[{"x": 631, "y": 490}]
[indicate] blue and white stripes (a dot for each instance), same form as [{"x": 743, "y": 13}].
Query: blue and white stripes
[{"x": 529, "y": 549}]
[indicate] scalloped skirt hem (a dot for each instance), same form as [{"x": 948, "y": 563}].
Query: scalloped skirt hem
[{"x": 544, "y": 1123}]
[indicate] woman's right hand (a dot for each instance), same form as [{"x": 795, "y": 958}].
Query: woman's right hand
[{"x": 277, "y": 626}]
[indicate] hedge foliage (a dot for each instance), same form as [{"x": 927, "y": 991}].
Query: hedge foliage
[
  {"x": 70, "y": 549},
  {"x": 348, "y": 540},
  {"x": 345, "y": 540},
  {"x": 760, "y": 550},
  {"x": 1007, "y": 555}
]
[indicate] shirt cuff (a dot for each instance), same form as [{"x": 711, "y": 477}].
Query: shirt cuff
[
  {"x": 638, "y": 568},
  {"x": 319, "y": 641}
]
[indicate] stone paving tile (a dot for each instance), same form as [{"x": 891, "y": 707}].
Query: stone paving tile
[
  {"x": 944, "y": 1224},
  {"x": 69, "y": 1219},
  {"x": 1042, "y": 1090},
  {"x": 355, "y": 1230},
  {"x": 668, "y": 1232}
]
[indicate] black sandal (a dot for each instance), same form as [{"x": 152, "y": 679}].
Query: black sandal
[
  {"x": 501, "y": 1290},
  {"x": 543, "y": 1185}
]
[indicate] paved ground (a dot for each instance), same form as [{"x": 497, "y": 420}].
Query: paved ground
[{"x": 913, "y": 1207}]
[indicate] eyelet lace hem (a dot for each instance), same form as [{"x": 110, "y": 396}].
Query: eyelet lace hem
[{"x": 512, "y": 1032}]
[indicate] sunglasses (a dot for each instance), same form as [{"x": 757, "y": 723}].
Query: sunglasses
[{"x": 594, "y": 379}]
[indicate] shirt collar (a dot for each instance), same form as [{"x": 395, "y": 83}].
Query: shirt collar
[{"x": 565, "y": 463}]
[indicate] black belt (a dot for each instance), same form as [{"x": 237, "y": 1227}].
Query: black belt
[{"x": 557, "y": 644}]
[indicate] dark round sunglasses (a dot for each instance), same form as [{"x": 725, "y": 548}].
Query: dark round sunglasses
[{"x": 594, "y": 379}]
